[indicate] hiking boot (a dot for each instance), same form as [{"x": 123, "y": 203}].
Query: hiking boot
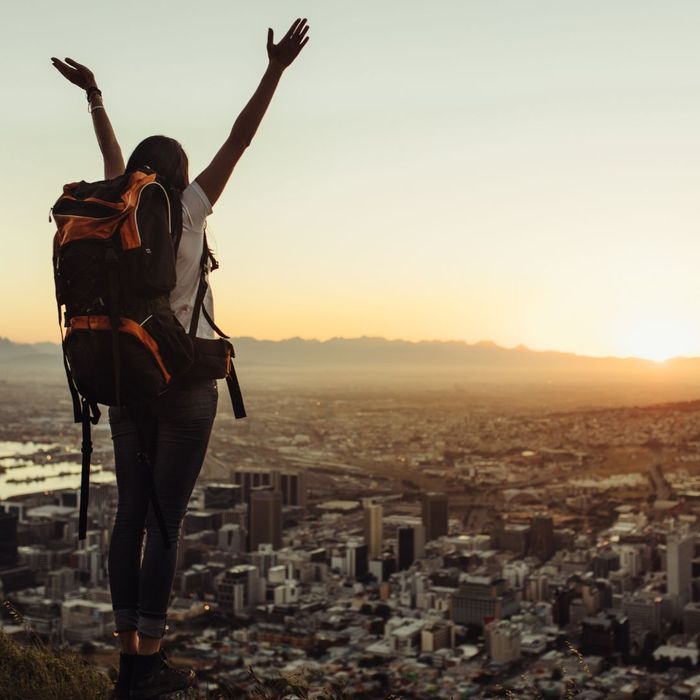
[
  {"x": 154, "y": 676},
  {"x": 122, "y": 687}
]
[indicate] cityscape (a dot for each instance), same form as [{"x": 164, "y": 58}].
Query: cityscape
[
  {"x": 454, "y": 249},
  {"x": 434, "y": 544}
]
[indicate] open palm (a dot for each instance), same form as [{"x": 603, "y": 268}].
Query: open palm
[
  {"x": 289, "y": 46},
  {"x": 75, "y": 72}
]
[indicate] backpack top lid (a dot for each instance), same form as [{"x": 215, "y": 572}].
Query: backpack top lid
[{"x": 94, "y": 210}]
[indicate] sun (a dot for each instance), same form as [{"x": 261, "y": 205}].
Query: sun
[{"x": 657, "y": 338}]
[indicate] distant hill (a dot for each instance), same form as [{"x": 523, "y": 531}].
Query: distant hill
[{"x": 378, "y": 357}]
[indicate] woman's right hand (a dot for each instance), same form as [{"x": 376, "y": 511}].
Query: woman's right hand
[{"x": 75, "y": 72}]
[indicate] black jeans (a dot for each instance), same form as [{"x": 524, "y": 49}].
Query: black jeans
[{"x": 176, "y": 427}]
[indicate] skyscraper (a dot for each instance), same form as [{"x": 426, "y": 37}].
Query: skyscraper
[
  {"x": 542, "y": 537},
  {"x": 410, "y": 545},
  {"x": 404, "y": 547},
  {"x": 291, "y": 484},
  {"x": 264, "y": 518},
  {"x": 679, "y": 561},
  {"x": 435, "y": 514},
  {"x": 356, "y": 561},
  {"x": 374, "y": 529}
]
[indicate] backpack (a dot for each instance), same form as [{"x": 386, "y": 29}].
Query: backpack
[{"x": 114, "y": 267}]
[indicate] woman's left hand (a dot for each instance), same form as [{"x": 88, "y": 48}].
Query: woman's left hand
[
  {"x": 288, "y": 48},
  {"x": 75, "y": 72}
]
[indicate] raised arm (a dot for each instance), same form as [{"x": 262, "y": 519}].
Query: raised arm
[
  {"x": 109, "y": 146},
  {"x": 214, "y": 177}
]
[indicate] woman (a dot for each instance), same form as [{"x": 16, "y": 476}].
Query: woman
[{"x": 179, "y": 422}]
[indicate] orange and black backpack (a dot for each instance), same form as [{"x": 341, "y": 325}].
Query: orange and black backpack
[{"x": 114, "y": 268}]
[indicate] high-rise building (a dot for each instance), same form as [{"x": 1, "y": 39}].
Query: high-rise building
[
  {"x": 481, "y": 599},
  {"x": 605, "y": 635},
  {"x": 404, "y": 547},
  {"x": 679, "y": 562},
  {"x": 647, "y": 612},
  {"x": 513, "y": 537},
  {"x": 291, "y": 484},
  {"x": 410, "y": 545},
  {"x": 604, "y": 562},
  {"x": 382, "y": 567},
  {"x": 374, "y": 528},
  {"x": 239, "y": 589},
  {"x": 264, "y": 518},
  {"x": 542, "y": 537},
  {"x": 357, "y": 563},
  {"x": 435, "y": 515},
  {"x": 503, "y": 638},
  {"x": 437, "y": 634}
]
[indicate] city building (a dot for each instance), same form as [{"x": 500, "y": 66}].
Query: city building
[
  {"x": 291, "y": 484},
  {"x": 264, "y": 518},
  {"x": 374, "y": 528},
  {"x": 222, "y": 496},
  {"x": 691, "y": 618},
  {"x": 435, "y": 512},
  {"x": 238, "y": 589},
  {"x": 357, "y": 563},
  {"x": 679, "y": 561},
  {"x": 410, "y": 545},
  {"x": 481, "y": 599},
  {"x": 503, "y": 639},
  {"x": 542, "y": 543}
]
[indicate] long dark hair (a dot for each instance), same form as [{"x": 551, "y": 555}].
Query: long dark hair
[{"x": 168, "y": 159}]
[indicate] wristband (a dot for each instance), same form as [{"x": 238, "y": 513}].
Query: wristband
[
  {"x": 92, "y": 90},
  {"x": 92, "y": 108}
]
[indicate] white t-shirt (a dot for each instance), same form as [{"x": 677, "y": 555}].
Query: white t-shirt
[{"x": 195, "y": 209}]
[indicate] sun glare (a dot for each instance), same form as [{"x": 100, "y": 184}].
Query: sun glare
[{"x": 657, "y": 339}]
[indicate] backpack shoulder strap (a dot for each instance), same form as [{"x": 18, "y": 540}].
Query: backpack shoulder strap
[{"x": 234, "y": 388}]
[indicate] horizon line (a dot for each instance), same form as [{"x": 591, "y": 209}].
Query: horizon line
[{"x": 520, "y": 347}]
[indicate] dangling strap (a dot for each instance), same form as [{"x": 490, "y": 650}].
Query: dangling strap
[
  {"x": 234, "y": 391},
  {"x": 87, "y": 413},
  {"x": 90, "y": 414}
]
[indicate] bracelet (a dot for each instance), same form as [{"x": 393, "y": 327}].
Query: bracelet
[
  {"x": 92, "y": 108},
  {"x": 92, "y": 90}
]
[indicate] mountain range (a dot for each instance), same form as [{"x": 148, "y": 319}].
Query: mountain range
[{"x": 372, "y": 356}]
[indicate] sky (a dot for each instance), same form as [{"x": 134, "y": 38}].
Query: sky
[{"x": 522, "y": 171}]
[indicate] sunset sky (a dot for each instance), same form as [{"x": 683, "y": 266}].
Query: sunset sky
[{"x": 524, "y": 171}]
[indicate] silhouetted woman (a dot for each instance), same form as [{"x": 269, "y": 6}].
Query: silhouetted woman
[{"x": 182, "y": 418}]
